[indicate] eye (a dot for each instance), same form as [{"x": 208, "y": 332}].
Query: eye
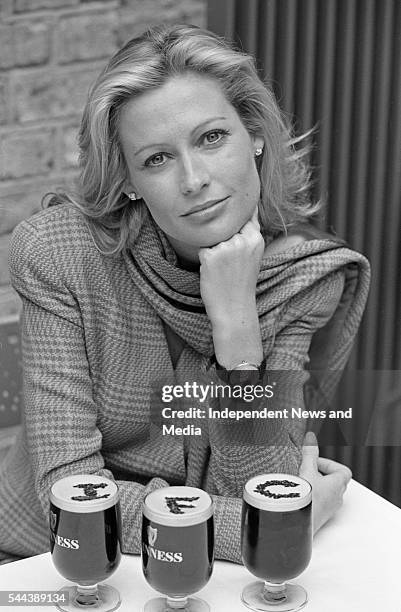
[
  {"x": 156, "y": 160},
  {"x": 215, "y": 136}
]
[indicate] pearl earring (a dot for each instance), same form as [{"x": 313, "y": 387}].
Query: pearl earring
[
  {"x": 132, "y": 195},
  {"x": 258, "y": 151}
]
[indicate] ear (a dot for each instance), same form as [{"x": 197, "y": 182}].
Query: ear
[
  {"x": 128, "y": 189},
  {"x": 258, "y": 142},
  {"x": 128, "y": 186}
]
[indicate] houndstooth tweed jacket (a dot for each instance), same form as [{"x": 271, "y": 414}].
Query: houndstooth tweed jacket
[{"x": 95, "y": 352}]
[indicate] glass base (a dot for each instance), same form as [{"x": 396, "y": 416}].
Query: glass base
[
  {"x": 184, "y": 604},
  {"x": 253, "y": 596},
  {"x": 103, "y": 599}
]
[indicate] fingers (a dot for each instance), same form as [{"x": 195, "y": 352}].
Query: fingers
[
  {"x": 253, "y": 222},
  {"x": 328, "y": 466},
  {"x": 310, "y": 448},
  {"x": 202, "y": 254},
  {"x": 310, "y": 455},
  {"x": 310, "y": 440},
  {"x": 327, "y": 495}
]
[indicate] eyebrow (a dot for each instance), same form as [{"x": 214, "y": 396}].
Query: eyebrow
[{"x": 161, "y": 144}]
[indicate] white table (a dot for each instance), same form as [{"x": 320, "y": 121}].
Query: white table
[{"x": 355, "y": 566}]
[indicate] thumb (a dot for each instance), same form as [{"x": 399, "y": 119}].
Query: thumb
[
  {"x": 310, "y": 441},
  {"x": 310, "y": 452}
]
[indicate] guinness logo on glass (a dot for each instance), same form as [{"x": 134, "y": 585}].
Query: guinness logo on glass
[
  {"x": 176, "y": 507},
  {"x": 152, "y": 535},
  {"x": 90, "y": 491},
  {"x": 263, "y": 489}
]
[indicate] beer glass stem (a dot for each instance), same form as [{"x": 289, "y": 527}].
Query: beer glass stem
[
  {"x": 274, "y": 593},
  {"x": 87, "y": 595},
  {"x": 177, "y": 603}
]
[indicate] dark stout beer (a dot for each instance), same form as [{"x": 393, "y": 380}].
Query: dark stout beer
[
  {"x": 85, "y": 528},
  {"x": 177, "y": 540},
  {"x": 277, "y": 526}
]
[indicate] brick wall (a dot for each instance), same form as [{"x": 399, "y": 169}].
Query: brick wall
[{"x": 50, "y": 52}]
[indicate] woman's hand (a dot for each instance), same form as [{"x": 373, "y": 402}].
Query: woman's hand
[
  {"x": 328, "y": 478},
  {"x": 228, "y": 276}
]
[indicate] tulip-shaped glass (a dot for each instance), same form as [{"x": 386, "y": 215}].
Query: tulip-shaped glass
[
  {"x": 85, "y": 540},
  {"x": 276, "y": 540},
  {"x": 177, "y": 547}
]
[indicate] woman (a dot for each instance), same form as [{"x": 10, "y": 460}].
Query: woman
[{"x": 184, "y": 252}]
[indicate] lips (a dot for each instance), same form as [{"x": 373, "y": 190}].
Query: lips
[{"x": 203, "y": 206}]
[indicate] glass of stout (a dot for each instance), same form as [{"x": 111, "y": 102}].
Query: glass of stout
[
  {"x": 177, "y": 547},
  {"x": 85, "y": 539},
  {"x": 276, "y": 540}
]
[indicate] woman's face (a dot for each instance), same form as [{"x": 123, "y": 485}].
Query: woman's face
[{"x": 192, "y": 161}]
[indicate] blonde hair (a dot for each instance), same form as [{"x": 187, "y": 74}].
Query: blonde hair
[{"x": 146, "y": 62}]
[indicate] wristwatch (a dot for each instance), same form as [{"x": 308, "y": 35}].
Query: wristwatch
[{"x": 241, "y": 376}]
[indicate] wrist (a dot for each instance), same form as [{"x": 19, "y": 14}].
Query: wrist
[
  {"x": 234, "y": 316},
  {"x": 243, "y": 373},
  {"x": 246, "y": 365},
  {"x": 234, "y": 346}
]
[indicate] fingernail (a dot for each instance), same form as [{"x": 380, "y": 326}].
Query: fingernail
[{"x": 310, "y": 439}]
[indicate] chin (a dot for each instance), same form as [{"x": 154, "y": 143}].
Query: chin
[
  {"x": 212, "y": 241},
  {"x": 223, "y": 234}
]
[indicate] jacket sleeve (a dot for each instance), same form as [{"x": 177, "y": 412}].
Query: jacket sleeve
[
  {"x": 60, "y": 414},
  {"x": 289, "y": 358},
  {"x": 252, "y": 446}
]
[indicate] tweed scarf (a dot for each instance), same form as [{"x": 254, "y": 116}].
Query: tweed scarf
[{"x": 174, "y": 293}]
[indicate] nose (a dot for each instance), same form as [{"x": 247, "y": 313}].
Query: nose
[{"x": 194, "y": 175}]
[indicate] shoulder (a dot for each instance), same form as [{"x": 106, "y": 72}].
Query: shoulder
[
  {"x": 57, "y": 223},
  {"x": 59, "y": 230},
  {"x": 296, "y": 236},
  {"x": 283, "y": 243},
  {"x": 53, "y": 246}
]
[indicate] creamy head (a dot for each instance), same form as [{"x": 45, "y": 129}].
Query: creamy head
[
  {"x": 178, "y": 506},
  {"x": 278, "y": 492},
  {"x": 84, "y": 493}
]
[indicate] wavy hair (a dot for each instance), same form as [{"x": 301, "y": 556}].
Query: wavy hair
[{"x": 147, "y": 62}]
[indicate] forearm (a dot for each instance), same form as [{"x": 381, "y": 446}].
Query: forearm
[
  {"x": 237, "y": 337},
  {"x": 61, "y": 417},
  {"x": 240, "y": 449},
  {"x": 228, "y": 277}
]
